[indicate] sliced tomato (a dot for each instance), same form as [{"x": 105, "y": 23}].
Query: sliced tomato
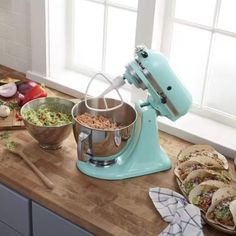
[{"x": 18, "y": 116}]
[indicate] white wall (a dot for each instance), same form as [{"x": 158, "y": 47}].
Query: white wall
[{"x": 15, "y": 48}]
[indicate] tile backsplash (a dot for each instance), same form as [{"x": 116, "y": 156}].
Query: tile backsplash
[{"x": 15, "y": 48}]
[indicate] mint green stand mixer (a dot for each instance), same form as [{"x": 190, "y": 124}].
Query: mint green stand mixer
[{"x": 134, "y": 149}]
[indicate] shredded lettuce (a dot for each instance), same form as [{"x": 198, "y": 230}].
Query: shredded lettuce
[{"x": 46, "y": 117}]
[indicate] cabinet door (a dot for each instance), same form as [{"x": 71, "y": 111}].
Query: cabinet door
[
  {"x": 47, "y": 223},
  {"x": 7, "y": 231},
  {"x": 14, "y": 210}
]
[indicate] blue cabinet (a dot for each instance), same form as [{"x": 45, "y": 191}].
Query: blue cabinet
[
  {"x": 14, "y": 213},
  {"x": 5, "y": 230},
  {"x": 47, "y": 223},
  {"x": 20, "y": 216}
]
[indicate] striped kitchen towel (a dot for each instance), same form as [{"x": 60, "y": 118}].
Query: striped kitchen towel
[{"x": 183, "y": 218}]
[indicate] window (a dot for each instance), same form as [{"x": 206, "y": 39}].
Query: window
[
  {"x": 200, "y": 41},
  {"x": 102, "y": 35}
]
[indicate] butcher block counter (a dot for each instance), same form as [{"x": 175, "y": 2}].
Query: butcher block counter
[{"x": 99, "y": 206}]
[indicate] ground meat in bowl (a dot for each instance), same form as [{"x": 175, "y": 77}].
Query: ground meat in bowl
[{"x": 97, "y": 122}]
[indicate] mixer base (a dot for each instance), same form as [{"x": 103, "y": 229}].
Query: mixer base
[{"x": 127, "y": 170}]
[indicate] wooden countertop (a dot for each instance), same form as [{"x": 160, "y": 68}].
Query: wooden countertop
[{"x": 102, "y": 207}]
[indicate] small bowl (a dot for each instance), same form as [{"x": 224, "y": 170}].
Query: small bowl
[{"x": 49, "y": 137}]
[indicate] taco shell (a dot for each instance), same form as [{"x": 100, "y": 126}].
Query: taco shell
[
  {"x": 201, "y": 195},
  {"x": 198, "y": 176},
  {"x": 193, "y": 149},
  {"x": 182, "y": 170},
  {"x": 232, "y": 207},
  {"x": 208, "y": 161},
  {"x": 223, "y": 208},
  {"x": 203, "y": 151},
  {"x": 224, "y": 193}
]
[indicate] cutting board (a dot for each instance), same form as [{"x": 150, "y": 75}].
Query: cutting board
[
  {"x": 8, "y": 75},
  {"x": 11, "y": 121}
]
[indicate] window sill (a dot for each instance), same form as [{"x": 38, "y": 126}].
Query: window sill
[
  {"x": 201, "y": 130},
  {"x": 69, "y": 82},
  {"x": 191, "y": 127}
]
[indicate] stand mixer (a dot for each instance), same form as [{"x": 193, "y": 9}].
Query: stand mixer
[{"x": 133, "y": 150}]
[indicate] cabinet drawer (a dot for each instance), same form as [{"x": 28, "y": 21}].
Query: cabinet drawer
[
  {"x": 14, "y": 210},
  {"x": 7, "y": 231},
  {"x": 47, "y": 223}
]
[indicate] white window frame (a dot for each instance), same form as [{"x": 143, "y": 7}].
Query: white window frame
[{"x": 204, "y": 130}]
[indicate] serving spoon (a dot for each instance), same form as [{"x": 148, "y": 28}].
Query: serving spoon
[{"x": 17, "y": 149}]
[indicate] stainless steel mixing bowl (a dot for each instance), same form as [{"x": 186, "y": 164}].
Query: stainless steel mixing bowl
[
  {"x": 49, "y": 137},
  {"x": 100, "y": 146}
]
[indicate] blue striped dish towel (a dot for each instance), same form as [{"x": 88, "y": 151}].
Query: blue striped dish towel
[{"x": 183, "y": 218}]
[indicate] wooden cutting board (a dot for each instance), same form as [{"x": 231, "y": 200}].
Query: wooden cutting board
[
  {"x": 11, "y": 121},
  {"x": 8, "y": 75}
]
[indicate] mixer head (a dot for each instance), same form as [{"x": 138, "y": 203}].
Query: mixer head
[{"x": 150, "y": 70}]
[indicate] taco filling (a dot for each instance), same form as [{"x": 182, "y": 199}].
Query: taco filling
[
  {"x": 195, "y": 181},
  {"x": 184, "y": 172},
  {"x": 197, "y": 153},
  {"x": 222, "y": 214},
  {"x": 203, "y": 201}
]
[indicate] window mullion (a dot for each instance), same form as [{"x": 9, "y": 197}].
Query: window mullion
[
  {"x": 70, "y": 28},
  {"x": 211, "y": 44},
  {"x": 121, "y": 6},
  {"x": 104, "y": 45},
  {"x": 193, "y": 24},
  {"x": 217, "y": 13},
  {"x": 144, "y": 32},
  {"x": 168, "y": 27},
  {"x": 205, "y": 27},
  {"x": 145, "y": 22}
]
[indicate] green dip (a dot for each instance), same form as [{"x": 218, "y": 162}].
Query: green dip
[{"x": 45, "y": 116}]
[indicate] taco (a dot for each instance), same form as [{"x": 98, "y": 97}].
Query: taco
[
  {"x": 202, "y": 194},
  {"x": 223, "y": 208},
  {"x": 184, "y": 169},
  {"x": 198, "y": 176},
  {"x": 202, "y": 151}
]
